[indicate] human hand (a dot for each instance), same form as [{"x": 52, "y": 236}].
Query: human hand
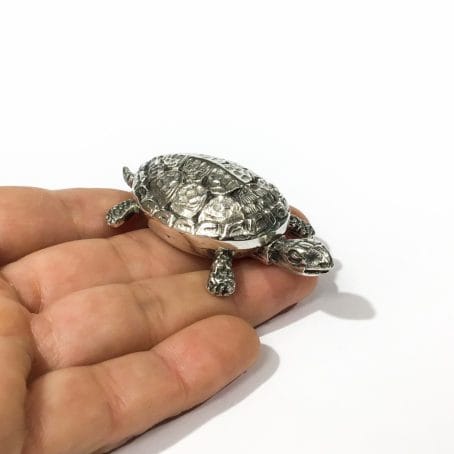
[{"x": 104, "y": 333}]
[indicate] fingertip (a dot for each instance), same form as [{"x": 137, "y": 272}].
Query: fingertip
[
  {"x": 211, "y": 353},
  {"x": 296, "y": 287},
  {"x": 233, "y": 342},
  {"x": 298, "y": 213},
  {"x": 312, "y": 282},
  {"x": 264, "y": 291},
  {"x": 290, "y": 287},
  {"x": 243, "y": 336}
]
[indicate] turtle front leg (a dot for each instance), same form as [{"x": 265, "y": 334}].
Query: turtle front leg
[
  {"x": 222, "y": 280},
  {"x": 299, "y": 228},
  {"x": 121, "y": 212}
]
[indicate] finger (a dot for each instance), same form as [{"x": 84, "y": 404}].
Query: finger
[
  {"x": 15, "y": 361},
  {"x": 125, "y": 396},
  {"x": 104, "y": 322},
  {"x": 40, "y": 279},
  {"x": 33, "y": 218},
  {"x": 52, "y": 273},
  {"x": 299, "y": 213}
]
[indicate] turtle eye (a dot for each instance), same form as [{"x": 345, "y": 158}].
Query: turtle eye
[{"x": 294, "y": 257}]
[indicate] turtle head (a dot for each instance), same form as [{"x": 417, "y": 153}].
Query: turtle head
[{"x": 306, "y": 256}]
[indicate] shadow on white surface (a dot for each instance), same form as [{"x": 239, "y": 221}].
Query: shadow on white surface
[
  {"x": 171, "y": 431},
  {"x": 326, "y": 298}
]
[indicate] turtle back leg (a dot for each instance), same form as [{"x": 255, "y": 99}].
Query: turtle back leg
[
  {"x": 299, "y": 228},
  {"x": 221, "y": 281},
  {"x": 306, "y": 256},
  {"x": 121, "y": 212}
]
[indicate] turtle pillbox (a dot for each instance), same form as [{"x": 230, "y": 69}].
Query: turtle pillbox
[{"x": 212, "y": 207}]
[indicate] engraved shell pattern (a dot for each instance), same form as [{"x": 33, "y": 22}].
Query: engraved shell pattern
[{"x": 204, "y": 195}]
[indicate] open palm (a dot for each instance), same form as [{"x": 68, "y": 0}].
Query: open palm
[{"x": 101, "y": 335}]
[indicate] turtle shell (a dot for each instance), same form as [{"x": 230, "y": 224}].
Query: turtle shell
[{"x": 203, "y": 195}]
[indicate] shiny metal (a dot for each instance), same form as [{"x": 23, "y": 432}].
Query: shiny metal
[
  {"x": 212, "y": 207},
  {"x": 307, "y": 256},
  {"x": 222, "y": 280}
]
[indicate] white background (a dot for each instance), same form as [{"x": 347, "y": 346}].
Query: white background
[{"x": 348, "y": 107}]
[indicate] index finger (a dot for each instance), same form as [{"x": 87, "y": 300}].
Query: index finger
[
  {"x": 298, "y": 213},
  {"x": 35, "y": 218}
]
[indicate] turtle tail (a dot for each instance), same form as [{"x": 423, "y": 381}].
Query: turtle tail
[{"x": 128, "y": 176}]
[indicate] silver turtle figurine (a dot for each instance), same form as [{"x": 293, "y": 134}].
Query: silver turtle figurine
[{"x": 212, "y": 207}]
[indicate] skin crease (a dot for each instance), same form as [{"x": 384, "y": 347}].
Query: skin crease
[{"x": 118, "y": 318}]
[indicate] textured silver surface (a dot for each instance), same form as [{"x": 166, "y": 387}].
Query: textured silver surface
[
  {"x": 223, "y": 199},
  {"x": 214, "y": 207},
  {"x": 221, "y": 281},
  {"x": 306, "y": 256}
]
